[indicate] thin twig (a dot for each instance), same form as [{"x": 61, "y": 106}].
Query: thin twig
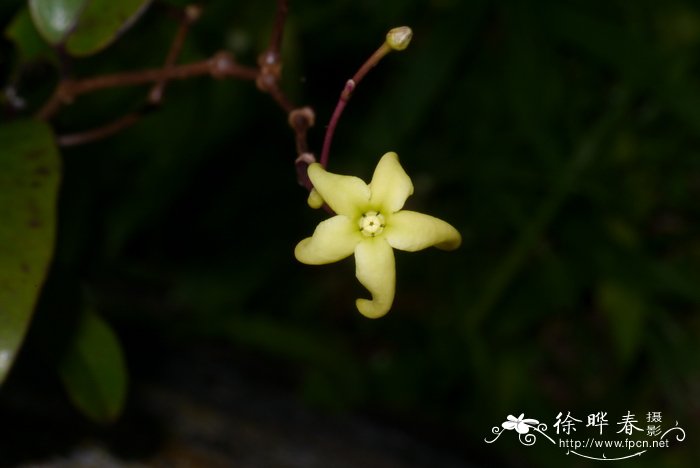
[
  {"x": 345, "y": 95},
  {"x": 270, "y": 61},
  {"x": 190, "y": 14},
  {"x": 99, "y": 133},
  {"x": 278, "y": 29},
  {"x": 155, "y": 96},
  {"x": 267, "y": 81},
  {"x": 221, "y": 65},
  {"x": 371, "y": 62},
  {"x": 333, "y": 123},
  {"x": 280, "y": 98},
  {"x": 301, "y": 120}
]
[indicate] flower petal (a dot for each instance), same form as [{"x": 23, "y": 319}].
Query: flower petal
[
  {"x": 374, "y": 267},
  {"x": 390, "y": 184},
  {"x": 508, "y": 425},
  {"x": 522, "y": 428},
  {"x": 333, "y": 240},
  {"x": 411, "y": 231},
  {"x": 315, "y": 200},
  {"x": 346, "y": 195}
]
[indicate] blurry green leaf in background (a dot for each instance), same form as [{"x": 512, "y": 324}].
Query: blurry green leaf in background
[
  {"x": 31, "y": 46},
  {"x": 56, "y": 19},
  {"x": 93, "y": 369},
  {"x": 84, "y": 27},
  {"x": 29, "y": 177}
]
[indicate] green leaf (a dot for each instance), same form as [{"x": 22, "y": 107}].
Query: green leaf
[
  {"x": 55, "y": 19},
  {"x": 29, "y": 178},
  {"x": 101, "y": 23},
  {"x": 93, "y": 370},
  {"x": 29, "y": 43}
]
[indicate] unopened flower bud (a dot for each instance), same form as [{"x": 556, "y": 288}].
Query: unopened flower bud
[{"x": 399, "y": 38}]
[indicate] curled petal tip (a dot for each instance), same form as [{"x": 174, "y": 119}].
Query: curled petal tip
[
  {"x": 452, "y": 243},
  {"x": 399, "y": 38},
  {"x": 372, "y": 309},
  {"x": 375, "y": 268}
]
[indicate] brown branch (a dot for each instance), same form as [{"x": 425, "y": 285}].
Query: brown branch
[
  {"x": 99, "y": 133},
  {"x": 221, "y": 65},
  {"x": 155, "y": 96},
  {"x": 270, "y": 61},
  {"x": 301, "y": 120},
  {"x": 190, "y": 15},
  {"x": 267, "y": 81},
  {"x": 278, "y": 29},
  {"x": 280, "y": 98}
]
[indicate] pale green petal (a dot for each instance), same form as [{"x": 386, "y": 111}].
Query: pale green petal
[
  {"x": 315, "y": 200},
  {"x": 333, "y": 240},
  {"x": 374, "y": 267},
  {"x": 390, "y": 184},
  {"x": 346, "y": 195},
  {"x": 411, "y": 231}
]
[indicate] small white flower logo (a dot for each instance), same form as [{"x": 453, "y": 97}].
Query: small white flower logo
[{"x": 522, "y": 426}]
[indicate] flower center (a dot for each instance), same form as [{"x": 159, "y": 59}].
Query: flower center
[{"x": 371, "y": 223}]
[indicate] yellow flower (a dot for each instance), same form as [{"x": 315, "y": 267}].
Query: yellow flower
[{"x": 369, "y": 223}]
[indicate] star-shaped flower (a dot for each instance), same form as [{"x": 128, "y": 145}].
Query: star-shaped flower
[{"x": 369, "y": 223}]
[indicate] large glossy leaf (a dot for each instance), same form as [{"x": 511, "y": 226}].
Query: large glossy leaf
[
  {"x": 29, "y": 178},
  {"x": 93, "y": 370},
  {"x": 55, "y": 19},
  {"x": 101, "y": 23}
]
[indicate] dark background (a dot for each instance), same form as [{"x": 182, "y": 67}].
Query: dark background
[{"x": 559, "y": 137}]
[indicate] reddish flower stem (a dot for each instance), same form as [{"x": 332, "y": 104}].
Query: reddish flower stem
[{"x": 345, "y": 95}]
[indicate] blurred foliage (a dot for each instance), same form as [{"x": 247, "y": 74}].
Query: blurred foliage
[
  {"x": 93, "y": 371},
  {"x": 29, "y": 177},
  {"x": 83, "y": 27},
  {"x": 560, "y": 138}
]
